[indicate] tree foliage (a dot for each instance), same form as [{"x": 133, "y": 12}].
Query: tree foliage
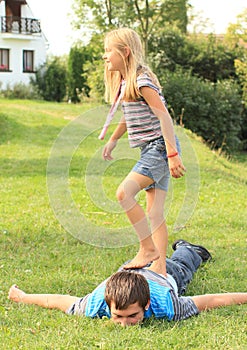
[
  {"x": 241, "y": 70},
  {"x": 51, "y": 81},
  {"x": 77, "y": 83},
  {"x": 144, "y": 16},
  {"x": 237, "y": 32},
  {"x": 206, "y": 73},
  {"x": 205, "y": 56},
  {"x": 94, "y": 69},
  {"x": 212, "y": 111}
]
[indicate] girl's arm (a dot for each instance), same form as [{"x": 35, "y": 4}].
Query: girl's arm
[
  {"x": 212, "y": 301},
  {"x": 152, "y": 98},
  {"x": 117, "y": 134}
]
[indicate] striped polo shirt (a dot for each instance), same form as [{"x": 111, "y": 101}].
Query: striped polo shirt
[
  {"x": 142, "y": 124},
  {"x": 164, "y": 301}
]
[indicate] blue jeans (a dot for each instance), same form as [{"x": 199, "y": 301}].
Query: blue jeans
[{"x": 182, "y": 265}]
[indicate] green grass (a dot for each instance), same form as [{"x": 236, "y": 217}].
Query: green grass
[{"x": 41, "y": 256}]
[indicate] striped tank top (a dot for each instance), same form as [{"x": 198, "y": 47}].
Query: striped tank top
[{"x": 142, "y": 124}]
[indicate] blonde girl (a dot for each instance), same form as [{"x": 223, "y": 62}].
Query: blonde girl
[{"x": 149, "y": 127}]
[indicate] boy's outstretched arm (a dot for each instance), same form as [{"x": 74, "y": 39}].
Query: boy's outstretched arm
[
  {"x": 49, "y": 301},
  {"x": 212, "y": 301}
]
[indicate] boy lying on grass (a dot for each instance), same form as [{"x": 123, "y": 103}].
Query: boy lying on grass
[{"x": 130, "y": 296}]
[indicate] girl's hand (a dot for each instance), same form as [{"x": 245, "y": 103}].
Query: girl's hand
[
  {"x": 176, "y": 167},
  {"x": 106, "y": 154}
]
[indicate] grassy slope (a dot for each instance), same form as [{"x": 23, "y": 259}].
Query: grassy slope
[{"x": 40, "y": 256}]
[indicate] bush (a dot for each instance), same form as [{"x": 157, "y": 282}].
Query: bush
[
  {"x": 244, "y": 128},
  {"x": 94, "y": 67},
  {"x": 50, "y": 80},
  {"x": 166, "y": 50},
  {"x": 20, "y": 91},
  {"x": 77, "y": 84},
  {"x": 95, "y": 79},
  {"x": 205, "y": 56},
  {"x": 212, "y": 111}
]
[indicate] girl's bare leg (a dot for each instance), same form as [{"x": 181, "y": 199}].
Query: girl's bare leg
[
  {"x": 155, "y": 208},
  {"x": 126, "y": 193},
  {"x": 50, "y": 301}
]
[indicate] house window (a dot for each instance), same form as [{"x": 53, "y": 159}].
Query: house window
[
  {"x": 4, "y": 60},
  {"x": 28, "y": 61}
]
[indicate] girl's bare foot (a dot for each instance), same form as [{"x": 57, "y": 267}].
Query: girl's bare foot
[
  {"x": 16, "y": 294},
  {"x": 142, "y": 258}
]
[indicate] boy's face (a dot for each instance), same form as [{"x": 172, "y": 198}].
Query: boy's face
[{"x": 134, "y": 314}]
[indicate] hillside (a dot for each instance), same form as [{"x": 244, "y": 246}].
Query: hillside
[{"x": 55, "y": 188}]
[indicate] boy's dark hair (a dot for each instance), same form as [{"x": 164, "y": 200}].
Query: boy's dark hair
[{"x": 126, "y": 288}]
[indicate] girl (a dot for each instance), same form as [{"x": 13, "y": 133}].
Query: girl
[{"x": 149, "y": 127}]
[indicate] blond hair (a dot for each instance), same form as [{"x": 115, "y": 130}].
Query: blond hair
[{"x": 121, "y": 39}]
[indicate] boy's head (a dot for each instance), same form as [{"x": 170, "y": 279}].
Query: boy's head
[{"x": 127, "y": 295}]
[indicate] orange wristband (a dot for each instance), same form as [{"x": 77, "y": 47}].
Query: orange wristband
[{"x": 172, "y": 155}]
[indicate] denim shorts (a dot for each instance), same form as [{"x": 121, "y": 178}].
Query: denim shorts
[{"x": 154, "y": 163}]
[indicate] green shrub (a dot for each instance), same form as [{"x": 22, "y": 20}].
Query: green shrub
[
  {"x": 166, "y": 50},
  {"x": 205, "y": 56},
  {"x": 20, "y": 91},
  {"x": 51, "y": 80},
  {"x": 77, "y": 84},
  {"x": 95, "y": 79},
  {"x": 244, "y": 128},
  {"x": 212, "y": 111},
  {"x": 94, "y": 67},
  {"x": 212, "y": 58}
]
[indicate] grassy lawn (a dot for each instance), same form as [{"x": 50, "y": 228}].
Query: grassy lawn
[{"x": 61, "y": 230}]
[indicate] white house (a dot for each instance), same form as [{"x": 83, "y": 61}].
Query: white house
[{"x": 22, "y": 43}]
